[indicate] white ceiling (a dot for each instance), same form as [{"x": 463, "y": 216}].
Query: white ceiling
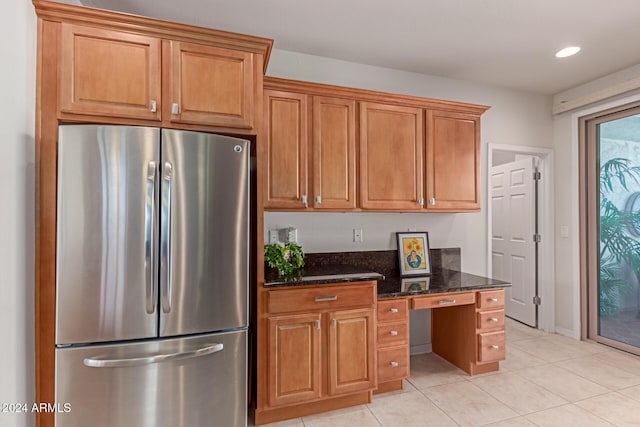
[{"x": 507, "y": 43}]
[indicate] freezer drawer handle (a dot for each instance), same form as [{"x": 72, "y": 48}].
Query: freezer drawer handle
[
  {"x": 165, "y": 236},
  {"x": 149, "y": 233},
  {"x": 158, "y": 358}
]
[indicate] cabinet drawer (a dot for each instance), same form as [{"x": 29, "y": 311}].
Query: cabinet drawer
[
  {"x": 393, "y": 363},
  {"x": 390, "y": 334},
  {"x": 491, "y": 299},
  {"x": 393, "y": 310},
  {"x": 443, "y": 300},
  {"x": 491, "y": 346},
  {"x": 321, "y": 298},
  {"x": 493, "y": 319}
]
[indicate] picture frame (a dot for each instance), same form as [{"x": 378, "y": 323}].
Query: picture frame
[
  {"x": 415, "y": 284},
  {"x": 413, "y": 253}
]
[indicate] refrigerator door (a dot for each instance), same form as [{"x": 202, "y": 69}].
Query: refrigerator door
[
  {"x": 192, "y": 382},
  {"x": 106, "y": 231},
  {"x": 203, "y": 233}
]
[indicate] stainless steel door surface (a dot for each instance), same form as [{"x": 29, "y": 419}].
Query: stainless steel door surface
[
  {"x": 204, "y": 232},
  {"x": 192, "y": 382},
  {"x": 105, "y": 275}
]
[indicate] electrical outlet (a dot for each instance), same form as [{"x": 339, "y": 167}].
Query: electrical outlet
[
  {"x": 357, "y": 235},
  {"x": 273, "y": 236},
  {"x": 289, "y": 235}
]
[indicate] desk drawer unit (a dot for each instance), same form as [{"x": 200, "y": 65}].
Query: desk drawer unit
[
  {"x": 393, "y": 343},
  {"x": 391, "y": 334},
  {"x": 490, "y": 299},
  {"x": 396, "y": 310},
  {"x": 443, "y": 300},
  {"x": 491, "y": 346},
  {"x": 492, "y": 319},
  {"x": 393, "y": 363}
]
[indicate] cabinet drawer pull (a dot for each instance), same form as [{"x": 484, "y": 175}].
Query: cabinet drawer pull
[
  {"x": 493, "y": 319},
  {"x": 495, "y": 347},
  {"x": 394, "y": 364},
  {"x": 393, "y": 333},
  {"x": 326, "y": 298},
  {"x": 446, "y": 301},
  {"x": 493, "y": 299},
  {"x": 394, "y": 310}
]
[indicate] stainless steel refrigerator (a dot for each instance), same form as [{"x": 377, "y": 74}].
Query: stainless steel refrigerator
[{"x": 152, "y": 277}]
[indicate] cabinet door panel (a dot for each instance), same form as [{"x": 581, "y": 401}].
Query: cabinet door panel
[
  {"x": 294, "y": 358},
  {"x": 334, "y": 151},
  {"x": 391, "y": 165},
  {"x": 351, "y": 351},
  {"x": 211, "y": 85},
  {"x": 453, "y": 161},
  {"x": 109, "y": 73},
  {"x": 287, "y": 139}
]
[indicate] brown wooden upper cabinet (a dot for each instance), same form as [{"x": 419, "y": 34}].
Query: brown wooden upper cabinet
[
  {"x": 114, "y": 73},
  {"x": 210, "y": 85},
  {"x": 369, "y": 150},
  {"x": 109, "y": 73},
  {"x": 334, "y": 153},
  {"x": 391, "y": 157},
  {"x": 286, "y": 149},
  {"x": 453, "y": 161},
  {"x": 300, "y": 174}
]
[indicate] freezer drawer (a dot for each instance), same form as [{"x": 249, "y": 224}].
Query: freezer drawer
[{"x": 190, "y": 382}]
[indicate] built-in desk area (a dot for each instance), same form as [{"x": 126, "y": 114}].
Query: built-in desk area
[{"x": 340, "y": 332}]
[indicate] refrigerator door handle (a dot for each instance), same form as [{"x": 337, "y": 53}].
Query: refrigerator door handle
[
  {"x": 167, "y": 178},
  {"x": 148, "y": 360},
  {"x": 149, "y": 234}
]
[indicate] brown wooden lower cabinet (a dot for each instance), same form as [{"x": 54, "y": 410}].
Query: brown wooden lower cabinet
[{"x": 321, "y": 349}]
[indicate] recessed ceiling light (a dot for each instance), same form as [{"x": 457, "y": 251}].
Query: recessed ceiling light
[{"x": 567, "y": 51}]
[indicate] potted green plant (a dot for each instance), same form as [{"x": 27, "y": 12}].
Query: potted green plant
[{"x": 286, "y": 258}]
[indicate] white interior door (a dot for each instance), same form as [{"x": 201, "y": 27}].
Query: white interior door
[{"x": 513, "y": 229}]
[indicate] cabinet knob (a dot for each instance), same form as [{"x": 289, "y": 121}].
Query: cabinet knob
[
  {"x": 394, "y": 310},
  {"x": 319, "y": 200},
  {"x": 153, "y": 107},
  {"x": 393, "y": 333},
  {"x": 494, "y": 300},
  {"x": 432, "y": 201},
  {"x": 494, "y": 319},
  {"x": 303, "y": 199},
  {"x": 421, "y": 201},
  {"x": 316, "y": 324},
  {"x": 495, "y": 347},
  {"x": 175, "y": 108},
  {"x": 394, "y": 364}
]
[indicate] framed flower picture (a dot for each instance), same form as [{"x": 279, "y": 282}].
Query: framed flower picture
[{"x": 413, "y": 253}]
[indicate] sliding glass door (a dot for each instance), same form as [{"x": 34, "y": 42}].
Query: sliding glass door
[{"x": 612, "y": 206}]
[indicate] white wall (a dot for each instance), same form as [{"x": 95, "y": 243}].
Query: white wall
[
  {"x": 514, "y": 118},
  {"x": 18, "y": 49}
]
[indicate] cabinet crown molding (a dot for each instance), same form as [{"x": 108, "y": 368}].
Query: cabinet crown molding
[
  {"x": 322, "y": 89},
  {"x": 62, "y": 12}
]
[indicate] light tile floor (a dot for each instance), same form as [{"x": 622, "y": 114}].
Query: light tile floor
[{"x": 546, "y": 380}]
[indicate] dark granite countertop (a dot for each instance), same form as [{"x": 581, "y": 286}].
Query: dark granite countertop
[
  {"x": 321, "y": 275},
  {"x": 442, "y": 280},
  {"x": 328, "y": 268}
]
